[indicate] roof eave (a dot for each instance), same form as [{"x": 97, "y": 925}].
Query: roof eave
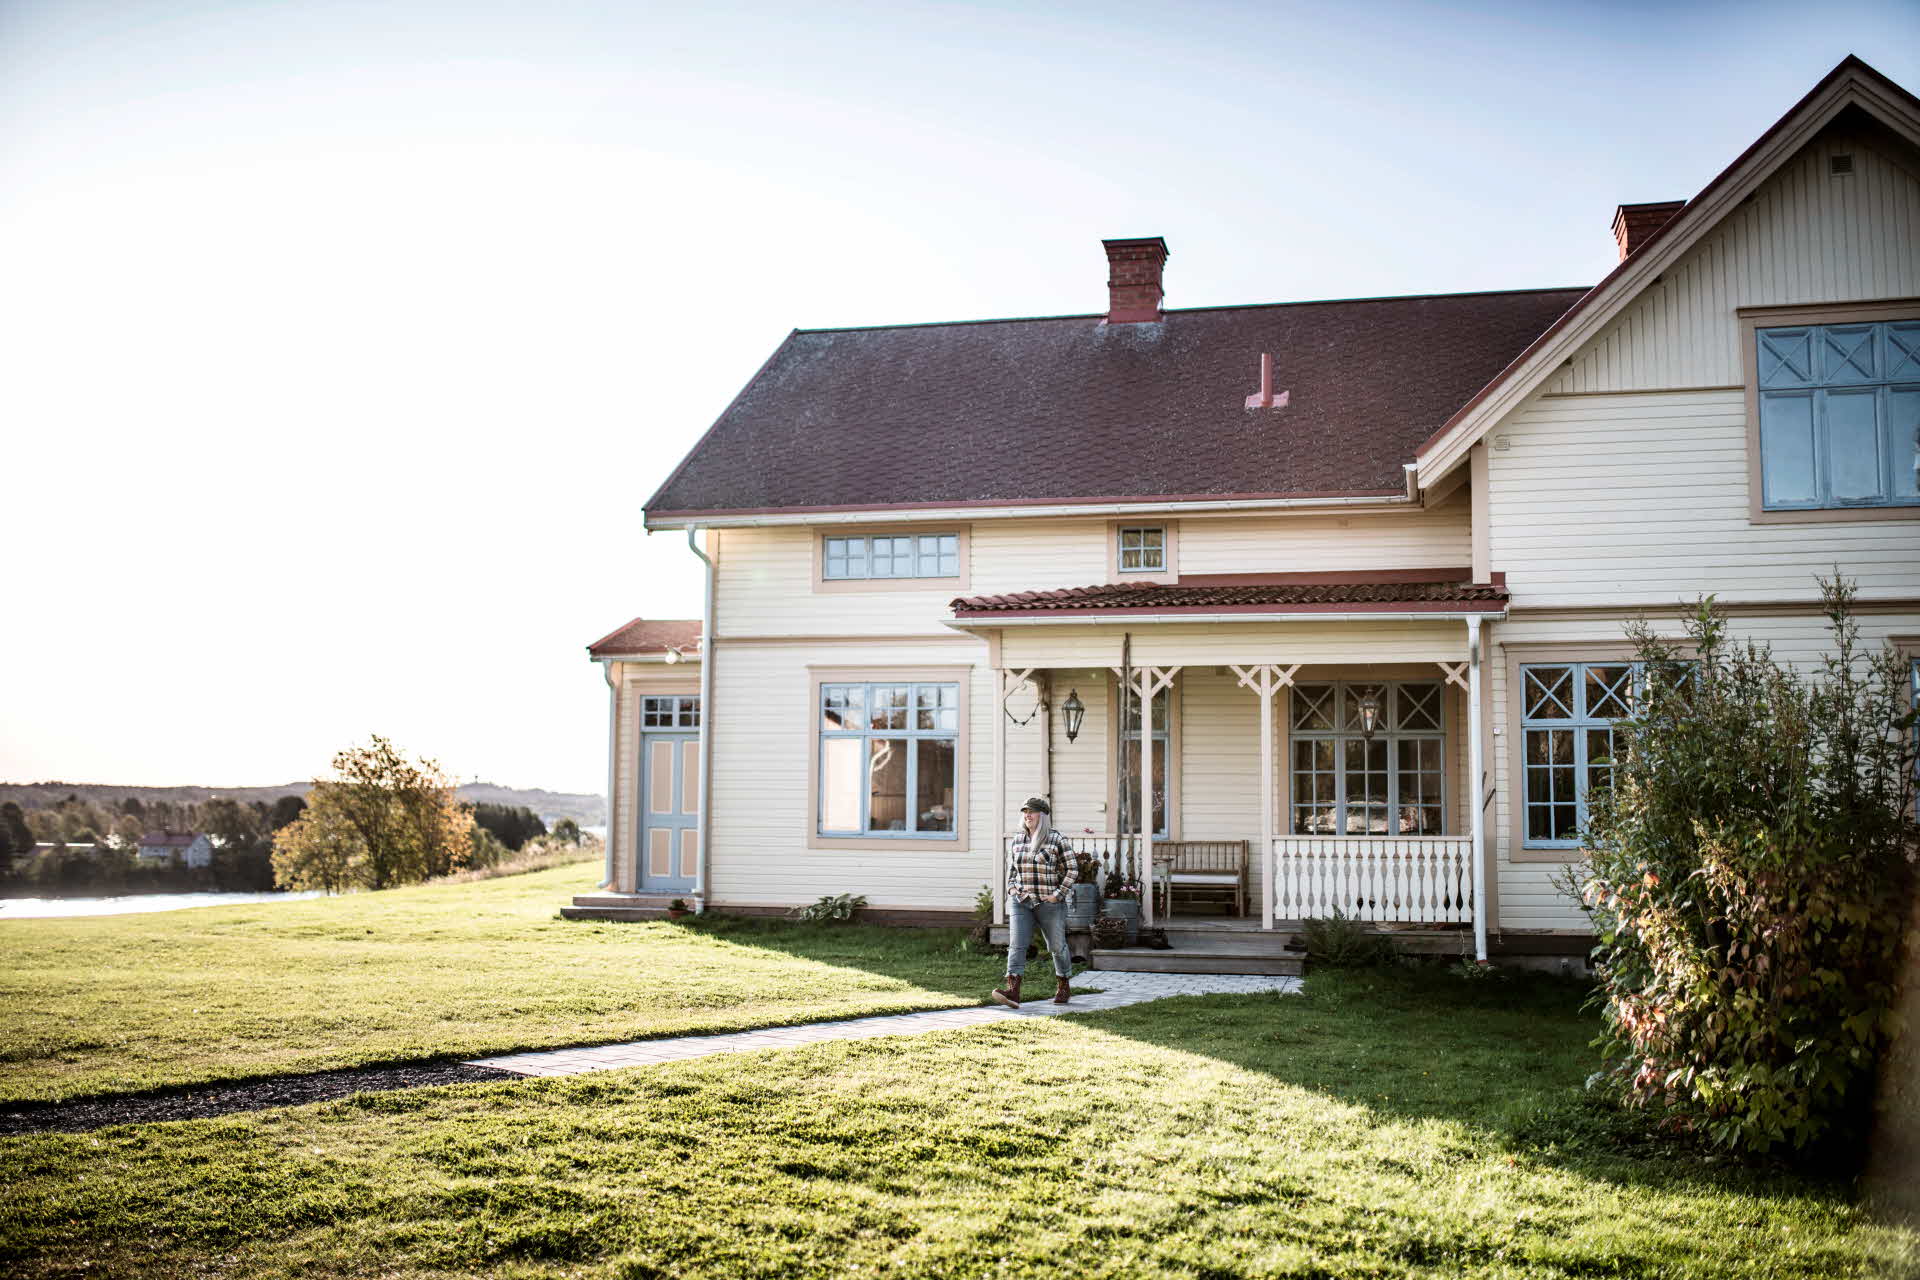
[
  {"x": 1345, "y": 613},
  {"x": 742, "y": 518}
]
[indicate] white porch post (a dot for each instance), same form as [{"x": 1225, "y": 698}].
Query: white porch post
[
  {"x": 1476, "y": 772},
  {"x": 1266, "y": 679},
  {"x": 999, "y": 795}
]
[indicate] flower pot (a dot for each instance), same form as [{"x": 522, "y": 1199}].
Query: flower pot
[
  {"x": 1127, "y": 909},
  {"x": 1083, "y": 904},
  {"x": 674, "y": 913}
]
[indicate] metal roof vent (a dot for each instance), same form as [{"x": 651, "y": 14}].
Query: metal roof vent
[{"x": 1840, "y": 165}]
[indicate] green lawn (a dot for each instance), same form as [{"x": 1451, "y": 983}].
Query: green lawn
[
  {"x": 1395, "y": 1124},
  {"x": 115, "y": 1004}
]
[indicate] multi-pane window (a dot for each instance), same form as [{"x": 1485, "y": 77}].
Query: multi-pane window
[
  {"x": 1839, "y": 415},
  {"x": 1345, "y": 782},
  {"x": 1567, "y": 716},
  {"x": 888, "y": 754},
  {"x": 1143, "y": 549},
  {"x": 1130, "y": 765},
  {"x": 907, "y": 555},
  {"x": 658, "y": 712}
]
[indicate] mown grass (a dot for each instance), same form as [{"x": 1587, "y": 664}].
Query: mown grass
[
  {"x": 1399, "y": 1124},
  {"x": 124, "y": 1003}
]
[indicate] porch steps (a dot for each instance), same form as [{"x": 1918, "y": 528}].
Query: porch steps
[{"x": 618, "y": 906}]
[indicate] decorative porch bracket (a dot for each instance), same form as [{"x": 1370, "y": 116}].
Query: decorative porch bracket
[
  {"x": 1145, "y": 683},
  {"x": 1455, "y": 672},
  {"x": 1266, "y": 679}
]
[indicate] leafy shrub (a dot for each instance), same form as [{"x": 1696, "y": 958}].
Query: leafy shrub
[
  {"x": 835, "y": 906},
  {"x": 1341, "y": 942},
  {"x": 1751, "y": 866}
]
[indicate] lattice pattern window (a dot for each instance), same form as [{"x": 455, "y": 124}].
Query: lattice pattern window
[
  {"x": 659, "y": 712},
  {"x": 888, "y": 753},
  {"x": 1345, "y": 783},
  {"x": 1839, "y": 415},
  {"x": 1567, "y": 716},
  {"x": 1143, "y": 549},
  {"x": 917, "y": 555}
]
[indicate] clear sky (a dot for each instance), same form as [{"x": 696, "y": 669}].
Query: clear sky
[{"x": 343, "y": 342}]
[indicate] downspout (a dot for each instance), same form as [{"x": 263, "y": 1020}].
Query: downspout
[
  {"x": 613, "y": 758},
  {"x": 1476, "y": 770},
  {"x": 704, "y": 838}
]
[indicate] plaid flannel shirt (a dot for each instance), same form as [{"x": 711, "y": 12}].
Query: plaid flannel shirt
[{"x": 1033, "y": 872}]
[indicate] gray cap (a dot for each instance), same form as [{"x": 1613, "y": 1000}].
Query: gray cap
[{"x": 1038, "y": 804}]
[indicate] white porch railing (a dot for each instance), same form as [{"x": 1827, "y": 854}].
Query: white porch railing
[
  {"x": 1113, "y": 853},
  {"x": 1415, "y": 879}
]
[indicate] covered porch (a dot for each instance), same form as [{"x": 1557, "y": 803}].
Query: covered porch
[{"x": 1301, "y": 756}]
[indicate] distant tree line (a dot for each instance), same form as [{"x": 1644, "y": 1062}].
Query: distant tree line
[{"x": 84, "y": 846}]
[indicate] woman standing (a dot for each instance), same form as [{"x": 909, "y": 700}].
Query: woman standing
[{"x": 1040, "y": 871}]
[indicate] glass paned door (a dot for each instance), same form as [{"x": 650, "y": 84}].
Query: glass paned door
[{"x": 669, "y": 794}]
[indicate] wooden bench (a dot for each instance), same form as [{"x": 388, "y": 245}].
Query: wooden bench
[{"x": 1209, "y": 865}]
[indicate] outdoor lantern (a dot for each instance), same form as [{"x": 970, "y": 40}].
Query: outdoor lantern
[
  {"x": 1369, "y": 709},
  {"x": 1075, "y": 711},
  {"x": 673, "y": 654}
]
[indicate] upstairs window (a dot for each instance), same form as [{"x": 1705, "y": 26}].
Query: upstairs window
[
  {"x": 1839, "y": 408},
  {"x": 917, "y": 555},
  {"x": 1143, "y": 549}
]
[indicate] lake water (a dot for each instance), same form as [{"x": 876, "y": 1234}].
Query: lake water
[{"x": 47, "y": 908}]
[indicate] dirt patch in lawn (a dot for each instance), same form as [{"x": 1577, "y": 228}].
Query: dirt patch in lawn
[{"x": 206, "y": 1101}]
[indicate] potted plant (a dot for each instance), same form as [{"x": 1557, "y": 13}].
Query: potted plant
[
  {"x": 678, "y": 909},
  {"x": 1083, "y": 900},
  {"x": 1122, "y": 899}
]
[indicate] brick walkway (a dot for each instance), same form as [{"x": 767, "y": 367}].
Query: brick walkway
[{"x": 1117, "y": 991}]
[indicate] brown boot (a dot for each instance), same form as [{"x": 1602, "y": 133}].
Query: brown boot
[
  {"x": 1062, "y": 987},
  {"x": 1009, "y": 995}
]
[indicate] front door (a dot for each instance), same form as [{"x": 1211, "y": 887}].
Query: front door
[{"x": 669, "y": 793}]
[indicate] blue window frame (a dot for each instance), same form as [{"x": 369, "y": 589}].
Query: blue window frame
[
  {"x": 1567, "y": 714},
  {"x": 888, "y": 755},
  {"x": 1345, "y": 782},
  {"x": 906, "y": 555},
  {"x": 1839, "y": 415}
]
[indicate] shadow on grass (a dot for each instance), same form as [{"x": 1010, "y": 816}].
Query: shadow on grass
[
  {"x": 1504, "y": 1058},
  {"x": 932, "y": 959}
]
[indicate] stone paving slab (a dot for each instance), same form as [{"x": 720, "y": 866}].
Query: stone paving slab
[{"x": 1118, "y": 990}]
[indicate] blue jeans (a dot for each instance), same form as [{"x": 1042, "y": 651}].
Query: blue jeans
[{"x": 1052, "y": 918}]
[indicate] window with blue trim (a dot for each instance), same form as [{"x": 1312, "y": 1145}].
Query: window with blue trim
[
  {"x": 1567, "y": 715},
  {"x": 1346, "y": 781},
  {"x": 1839, "y": 415},
  {"x": 907, "y": 555},
  {"x": 887, "y": 759}
]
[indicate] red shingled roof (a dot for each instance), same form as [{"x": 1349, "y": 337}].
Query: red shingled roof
[
  {"x": 1415, "y": 591},
  {"x": 644, "y": 635},
  {"x": 1071, "y": 409}
]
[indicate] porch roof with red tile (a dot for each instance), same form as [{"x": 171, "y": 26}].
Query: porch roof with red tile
[{"x": 1420, "y": 591}]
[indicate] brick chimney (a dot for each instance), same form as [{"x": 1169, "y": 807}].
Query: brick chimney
[
  {"x": 1634, "y": 224},
  {"x": 1133, "y": 279}
]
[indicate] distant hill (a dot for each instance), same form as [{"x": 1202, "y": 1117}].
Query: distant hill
[{"x": 589, "y": 810}]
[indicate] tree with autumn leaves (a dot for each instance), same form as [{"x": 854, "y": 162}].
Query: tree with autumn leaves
[{"x": 381, "y": 820}]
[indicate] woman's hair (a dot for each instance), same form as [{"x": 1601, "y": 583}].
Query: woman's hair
[{"x": 1041, "y": 828}]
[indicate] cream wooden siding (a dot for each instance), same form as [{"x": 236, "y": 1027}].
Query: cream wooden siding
[
  {"x": 1642, "y": 499},
  {"x": 1529, "y": 893},
  {"x": 764, "y": 736},
  {"x": 1805, "y": 237},
  {"x": 1436, "y": 539},
  {"x": 1079, "y": 767},
  {"x": 1034, "y": 555}
]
